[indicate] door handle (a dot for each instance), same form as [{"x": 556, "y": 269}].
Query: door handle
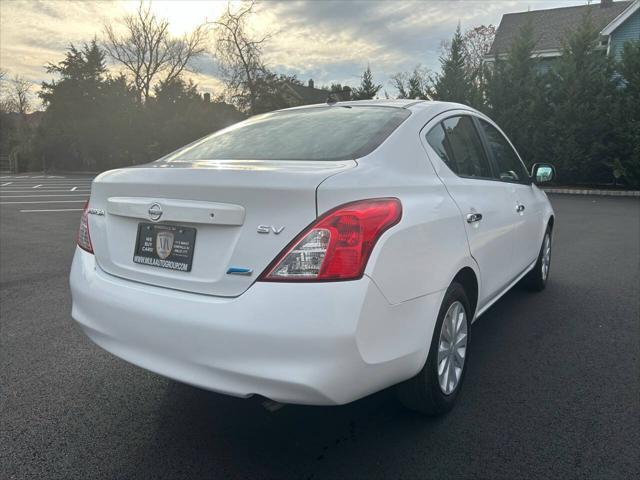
[
  {"x": 474, "y": 217},
  {"x": 520, "y": 208}
]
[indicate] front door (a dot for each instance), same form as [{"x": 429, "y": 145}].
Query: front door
[{"x": 524, "y": 199}]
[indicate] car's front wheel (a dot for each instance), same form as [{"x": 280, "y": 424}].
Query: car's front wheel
[{"x": 433, "y": 391}]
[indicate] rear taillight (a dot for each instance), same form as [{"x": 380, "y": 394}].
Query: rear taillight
[
  {"x": 84, "y": 239},
  {"x": 337, "y": 245}
]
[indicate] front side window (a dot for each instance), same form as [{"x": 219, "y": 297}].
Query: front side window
[
  {"x": 464, "y": 147},
  {"x": 319, "y": 133},
  {"x": 509, "y": 166}
]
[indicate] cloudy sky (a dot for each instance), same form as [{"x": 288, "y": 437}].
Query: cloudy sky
[{"x": 329, "y": 41}]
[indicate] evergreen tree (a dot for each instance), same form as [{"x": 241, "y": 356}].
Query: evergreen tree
[
  {"x": 515, "y": 95},
  {"x": 629, "y": 68},
  {"x": 418, "y": 84},
  {"x": 94, "y": 121},
  {"x": 88, "y": 113},
  {"x": 628, "y": 115},
  {"x": 584, "y": 93},
  {"x": 177, "y": 114},
  {"x": 368, "y": 89},
  {"x": 453, "y": 84}
]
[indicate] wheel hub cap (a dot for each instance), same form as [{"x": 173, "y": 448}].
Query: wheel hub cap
[
  {"x": 452, "y": 347},
  {"x": 546, "y": 257}
]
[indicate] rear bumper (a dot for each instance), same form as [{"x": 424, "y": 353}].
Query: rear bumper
[{"x": 319, "y": 344}]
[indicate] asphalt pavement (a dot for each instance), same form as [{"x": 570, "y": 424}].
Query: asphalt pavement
[{"x": 552, "y": 391}]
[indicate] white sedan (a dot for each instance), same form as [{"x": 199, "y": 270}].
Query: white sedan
[{"x": 314, "y": 255}]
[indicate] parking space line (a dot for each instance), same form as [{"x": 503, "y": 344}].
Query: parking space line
[
  {"x": 33, "y": 176},
  {"x": 48, "y": 201},
  {"x": 45, "y": 187},
  {"x": 53, "y": 210},
  {"x": 50, "y": 184},
  {"x": 39, "y": 196},
  {"x": 57, "y": 190},
  {"x": 38, "y": 180}
]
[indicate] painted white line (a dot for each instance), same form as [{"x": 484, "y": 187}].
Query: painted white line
[
  {"x": 44, "y": 187},
  {"x": 29, "y": 179},
  {"x": 48, "y": 201},
  {"x": 46, "y": 196},
  {"x": 5, "y": 184},
  {"x": 52, "y": 184},
  {"x": 74, "y": 189},
  {"x": 54, "y": 210},
  {"x": 33, "y": 176},
  {"x": 48, "y": 185},
  {"x": 58, "y": 190}
]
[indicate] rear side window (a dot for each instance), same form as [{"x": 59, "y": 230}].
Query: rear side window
[
  {"x": 457, "y": 143},
  {"x": 321, "y": 133},
  {"x": 438, "y": 141},
  {"x": 509, "y": 166}
]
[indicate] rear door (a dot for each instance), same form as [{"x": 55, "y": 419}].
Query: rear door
[
  {"x": 460, "y": 160},
  {"x": 527, "y": 210}
]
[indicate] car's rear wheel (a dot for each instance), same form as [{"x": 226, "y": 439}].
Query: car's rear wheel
[
  {"x": 537, "y": 278},
  {"x": 434, "y": 390}
]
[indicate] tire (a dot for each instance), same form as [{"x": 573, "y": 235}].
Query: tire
[
  {"x": 424, "y": 393},
  {"x": 537, "y": 278}
]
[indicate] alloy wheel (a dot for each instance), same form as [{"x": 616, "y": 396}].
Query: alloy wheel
[
  {"x": 546, "y": 256},
  {"x": 452, "y": 347}
]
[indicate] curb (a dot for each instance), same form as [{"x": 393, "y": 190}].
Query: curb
[{"x": 588, "y": 191}]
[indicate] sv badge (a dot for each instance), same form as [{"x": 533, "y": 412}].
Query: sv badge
[{"x": 270, "y": 228}]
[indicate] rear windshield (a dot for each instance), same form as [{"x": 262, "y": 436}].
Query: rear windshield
[{"x": 321, "y": 133}]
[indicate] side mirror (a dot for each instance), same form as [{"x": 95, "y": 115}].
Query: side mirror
[{"x": 542, "y": 173}]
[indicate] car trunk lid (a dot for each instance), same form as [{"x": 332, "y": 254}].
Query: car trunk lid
[{"x": 225, "y": 202}]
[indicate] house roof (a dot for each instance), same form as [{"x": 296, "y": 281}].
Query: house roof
[
  {"x": 620, "y": 19},
  {"x": 550, "y": 27},
  {"x": 309, "y": 94}
]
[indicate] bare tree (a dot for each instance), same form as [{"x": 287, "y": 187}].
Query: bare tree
[
  {"x": 4, "y": 97},
  {"x": 476, "y": 44},
  {"x": 239, "y": 54},
  {"x": 18, "y": 98},
  {"x": 413, "y": 85},
  {"x": 147, "y": 51}
]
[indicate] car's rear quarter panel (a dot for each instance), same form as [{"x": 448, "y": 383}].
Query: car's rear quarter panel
[{"x": 420, "y": 255}]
